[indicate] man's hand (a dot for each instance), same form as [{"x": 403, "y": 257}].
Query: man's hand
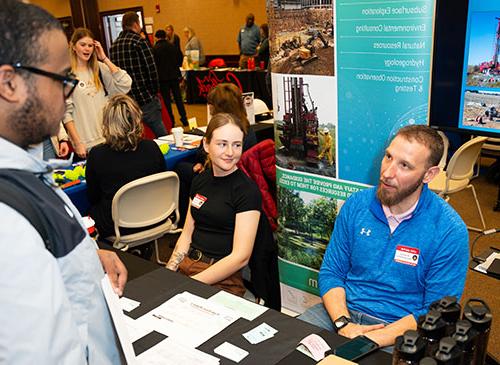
[
  {"x": 115, "y": 269},
  {"x": 352, "y": 330}
]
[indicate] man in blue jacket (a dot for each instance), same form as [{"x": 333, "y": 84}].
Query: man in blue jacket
[{"x": 395, "y": 248}]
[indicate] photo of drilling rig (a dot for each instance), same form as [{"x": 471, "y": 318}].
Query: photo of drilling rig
[
  {"x": 483, "y": 68},
  {"x": 303, "y": 142}
]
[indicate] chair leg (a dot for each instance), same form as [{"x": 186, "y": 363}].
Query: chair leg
[
  {"x": 470, "y": 186},
  {"x": 157, "y": 254}
]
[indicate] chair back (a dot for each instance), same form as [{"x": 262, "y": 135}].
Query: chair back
[
  {"x": 446, "y": 146},
  {"x": 146, "y": 201},
  {"x": 461, "y": 165}
]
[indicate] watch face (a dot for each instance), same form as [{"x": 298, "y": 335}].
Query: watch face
[{"x": 341, "y": 322}]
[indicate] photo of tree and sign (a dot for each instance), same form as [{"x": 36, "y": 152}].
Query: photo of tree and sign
[{"x": 305, "y": 225}]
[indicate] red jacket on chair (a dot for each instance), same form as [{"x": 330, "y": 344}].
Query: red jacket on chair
[{"x": 259, "y": 163}]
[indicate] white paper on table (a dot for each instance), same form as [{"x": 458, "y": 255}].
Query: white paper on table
[
  {"x": 118, "y": 320},
  {"x": 186, "y": 139},
  {"x": 231, "y": 352},
  {"x": 128, "y": 305},
  {"x": 189, "y": 319},
  {"x": 260, "y": 333},
  {"x": 170, "y": 352},
  {"x": 160, "y": 141},
  {"x": 136, "y": 329},
  {"x": 486, "y": 264},
  {"x": 244, "y": 308},
  {"x": 315, "y": 345}
]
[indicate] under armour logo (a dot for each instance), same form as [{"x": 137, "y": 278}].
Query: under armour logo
[{"x": 365, "y": 231}]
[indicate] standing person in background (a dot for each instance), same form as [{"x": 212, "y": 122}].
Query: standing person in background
[
  {"x": 193, "y": 44},
  {"x": 168, "y": 60},
  {"x": 99, "y": 77},
  {"x": 263, "y": 47},
  {"x": 248, "y": 40},
  {"x": 133, "y": 54},
  {"x": 221, "y": 224},
  {"x": 124, "y": 157},
  {"x": 173, "y": 37}
]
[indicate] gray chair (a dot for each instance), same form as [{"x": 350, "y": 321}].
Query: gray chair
[
  {"x": 458, "y": 173},
  {"x": 142, "y": 203}
]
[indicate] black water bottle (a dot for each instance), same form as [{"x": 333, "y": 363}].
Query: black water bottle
[
  {"x": 450, "y": 312},
  {"x": 431, "y": 327},
  {"x": 448, "y": 352},
  {"x": 408, "y": 349},
  {"x": 479, "y": 315},
  {"x": 466, "y": 338},
  {"x": 427, "y": 361}
]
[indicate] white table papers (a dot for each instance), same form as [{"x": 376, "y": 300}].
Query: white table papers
[
  {"x": 228, "y": 350},
  {"x": 189, "y": 319},
  {"x": 242, "y": 307},
  {"x": 170, "y": 352},
  {"x": 118, "y": 320}
]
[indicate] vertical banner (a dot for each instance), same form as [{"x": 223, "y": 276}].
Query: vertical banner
[
  {"x": 343, "y": 82},
  {"x": 383, "y": 50}
]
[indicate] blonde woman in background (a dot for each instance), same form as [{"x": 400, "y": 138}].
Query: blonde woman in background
[
  {"x": 98, "y": 77},
  {"x": 193, "y": 44},
  {"x": 124, "y": 157}
]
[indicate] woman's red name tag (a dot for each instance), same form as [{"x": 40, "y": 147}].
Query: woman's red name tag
[{"x": 198, "y": 201}]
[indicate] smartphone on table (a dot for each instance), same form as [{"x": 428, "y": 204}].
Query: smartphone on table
[{"x": 356, "y": 348}]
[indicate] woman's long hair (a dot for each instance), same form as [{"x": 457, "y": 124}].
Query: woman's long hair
[
  {"x": 93, "y": 65},
  {"x": 121, "y": 125}
]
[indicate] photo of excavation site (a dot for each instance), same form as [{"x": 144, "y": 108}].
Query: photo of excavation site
[
  {"x": 482, "y": 109},
  {"x": 483, "y": 66},
  {"x": 301, "y": 39}
]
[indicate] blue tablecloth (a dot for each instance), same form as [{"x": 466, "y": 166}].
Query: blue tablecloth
[{"x": 78, "y": 193}]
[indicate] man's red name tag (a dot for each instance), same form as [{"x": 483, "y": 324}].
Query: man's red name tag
[
  {"x": 407, "y": 255},
  {"x": 198, "y": 201}
]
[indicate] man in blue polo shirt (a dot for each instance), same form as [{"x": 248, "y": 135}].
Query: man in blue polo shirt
[
  {"x": 248, "y": 40},
  {"x": 395, "y": 248}
]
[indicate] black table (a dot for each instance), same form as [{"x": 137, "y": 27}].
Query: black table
[
  {"x": 152, "y": 285},
  {"x": 200, "y": 82}
]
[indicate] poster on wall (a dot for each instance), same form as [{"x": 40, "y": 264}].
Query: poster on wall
[{"x": 383, "y": 51}]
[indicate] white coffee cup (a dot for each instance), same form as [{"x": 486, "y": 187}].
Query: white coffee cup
[{"x": 178, "y": 133}]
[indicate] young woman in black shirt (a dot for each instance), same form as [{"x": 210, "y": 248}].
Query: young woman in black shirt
[{"x": 223, "y": 214}]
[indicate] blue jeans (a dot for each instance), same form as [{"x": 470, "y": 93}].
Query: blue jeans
[
  {"x": 318, "y": 316},
  {"x": 151, "y": 115}
]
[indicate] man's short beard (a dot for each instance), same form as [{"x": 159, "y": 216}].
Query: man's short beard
[
  {"x": 30, "y": 123},
  {"x": 390, "y": 200}
]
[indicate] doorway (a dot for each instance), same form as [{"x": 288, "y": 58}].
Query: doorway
[{"x": 112, "y": 23}]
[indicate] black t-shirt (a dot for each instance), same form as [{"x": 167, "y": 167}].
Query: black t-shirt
[
  {"x": 215, "y": 203},
  {"x": 108, "y": 170}
]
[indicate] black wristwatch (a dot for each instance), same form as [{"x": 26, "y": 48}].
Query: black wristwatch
[{"x": 340, "y": 323}]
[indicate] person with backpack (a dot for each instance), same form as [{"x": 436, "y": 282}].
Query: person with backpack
[
  {"x": 53, "y": 307},
  {"x": 98, "y": 78}
]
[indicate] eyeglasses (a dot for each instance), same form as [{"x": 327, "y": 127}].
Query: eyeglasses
[{"x": 69, "y": 81}]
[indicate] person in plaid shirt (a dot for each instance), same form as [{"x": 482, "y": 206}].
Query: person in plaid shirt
[{"x": 133, "y": 54}]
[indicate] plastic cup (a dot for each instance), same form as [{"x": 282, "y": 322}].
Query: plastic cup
[{"x": 178, "y": 133}]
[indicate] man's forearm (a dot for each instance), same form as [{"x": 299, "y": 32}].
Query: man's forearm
[
  {"x": 387, "y": 336},
  {"x": 335, "y": 303}
]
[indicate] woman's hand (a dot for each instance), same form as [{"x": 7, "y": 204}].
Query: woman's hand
[
  {"x": 198, "y": 168},
  {"x": 80, "y": 150},
  {"x": 99, "y": 51}
]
